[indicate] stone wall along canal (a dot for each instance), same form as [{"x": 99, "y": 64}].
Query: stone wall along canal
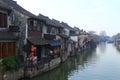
[{"x": 102, "y": 63}]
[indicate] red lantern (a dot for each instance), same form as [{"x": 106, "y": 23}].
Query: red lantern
[{"x": 33, "y": 49}]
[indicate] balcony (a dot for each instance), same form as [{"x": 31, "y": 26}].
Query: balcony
[
  {"x": 14, "y": 29},
  {"x": 49, "y": 36},
  {"x": 8, "y": 36}
]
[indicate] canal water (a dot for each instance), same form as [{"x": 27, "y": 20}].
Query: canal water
[{"x": 102, "y": 63}]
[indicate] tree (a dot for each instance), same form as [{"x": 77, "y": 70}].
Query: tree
[{"x": 102, "y": 33}]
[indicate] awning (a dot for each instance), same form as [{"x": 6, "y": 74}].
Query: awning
[
  {"x": 42, "y": 41},
  {"x": 38, "y": 41},
  {"x": 55, "y": 44},
  {"x": 63, "y": 36}
]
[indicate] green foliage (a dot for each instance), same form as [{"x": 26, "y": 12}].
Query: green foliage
[
  {"x": 116, "y": 36},
  {"x": 10, "y": 63},
  {"x": 0, "y": 63}
]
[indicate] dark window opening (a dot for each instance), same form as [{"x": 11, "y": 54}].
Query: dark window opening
[
  {"x": 3, "y": 20},
  {"x": 49, "y": 28}
]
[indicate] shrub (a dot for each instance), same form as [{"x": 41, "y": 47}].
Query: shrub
[
  {"x": 10, "y": 63},
  {"x": 1, "y": 64}
]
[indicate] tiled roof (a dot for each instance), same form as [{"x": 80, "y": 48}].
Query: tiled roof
[
  {"x": 4, "y": 6},
  {"x": 48, "y": 20},
  {"x": 67, "y": 26},
  {"x": 17, "y": 7},
  {"x": 76, "y": 28},
  {"x": 43, "y": 17},
  {"x": 74, "y": 34},
  {"x": 40, "y": 41},
  {"x": 63, "y": 36},
  {"x": 57, "y": 22}
]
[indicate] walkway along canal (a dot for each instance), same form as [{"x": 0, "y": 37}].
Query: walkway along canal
[{"x": 101, "y": 63}]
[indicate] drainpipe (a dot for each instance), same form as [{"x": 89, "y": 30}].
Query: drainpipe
[
  {"x": 26, "y": 33},
  {"x": 25, "y": 43},
  {"x": 25, "y": 40}
]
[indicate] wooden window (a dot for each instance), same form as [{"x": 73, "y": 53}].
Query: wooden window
[
  {"x": 49, "y": 29},
  {"x": 0, "y": 50},
  {"x": 14, "y": 48},
  {"x": 53, "y": 30},
  {"x": 10, "y": 48},
  {"x": 39, "y": 26},
  {"x": 30, "y": 25},
  {"x": 3, "y": 50},
  {"x": 3, "y": 20},
  {"x": 7, "y": 49}
]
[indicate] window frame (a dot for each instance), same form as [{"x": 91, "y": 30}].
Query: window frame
[
  {"x": 5, "y": 47},
  {"x": 6, "y": 21}
]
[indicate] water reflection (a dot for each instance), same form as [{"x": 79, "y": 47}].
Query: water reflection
[
  {"x": 90, "y": 65},
  {"x": 117, "y": 47},
  {"x": 102, "y": 47},
  {"x": 69, "y": 67}
]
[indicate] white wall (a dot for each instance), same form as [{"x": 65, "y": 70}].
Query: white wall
[
  {"x": 67, "y": 32},
  {"x": 44, "y": 30},
  {"x": 74, "y": 38},
  {"x": 81, "y": 39}
]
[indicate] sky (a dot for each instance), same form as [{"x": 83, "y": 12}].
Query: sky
[{"x": 90, "y": 15}]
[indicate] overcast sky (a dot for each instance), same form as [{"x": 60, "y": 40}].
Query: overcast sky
[{"x": 95, "y": 15}]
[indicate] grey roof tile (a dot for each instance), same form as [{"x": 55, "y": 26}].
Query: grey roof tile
[
  {"x": 48, "y": 20},
  {"x": 4, "y": 6},
  {"x": 14, "y": 5}
]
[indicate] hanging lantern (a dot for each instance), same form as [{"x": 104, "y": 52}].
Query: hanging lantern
[{"x": 33, "y": 49}]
